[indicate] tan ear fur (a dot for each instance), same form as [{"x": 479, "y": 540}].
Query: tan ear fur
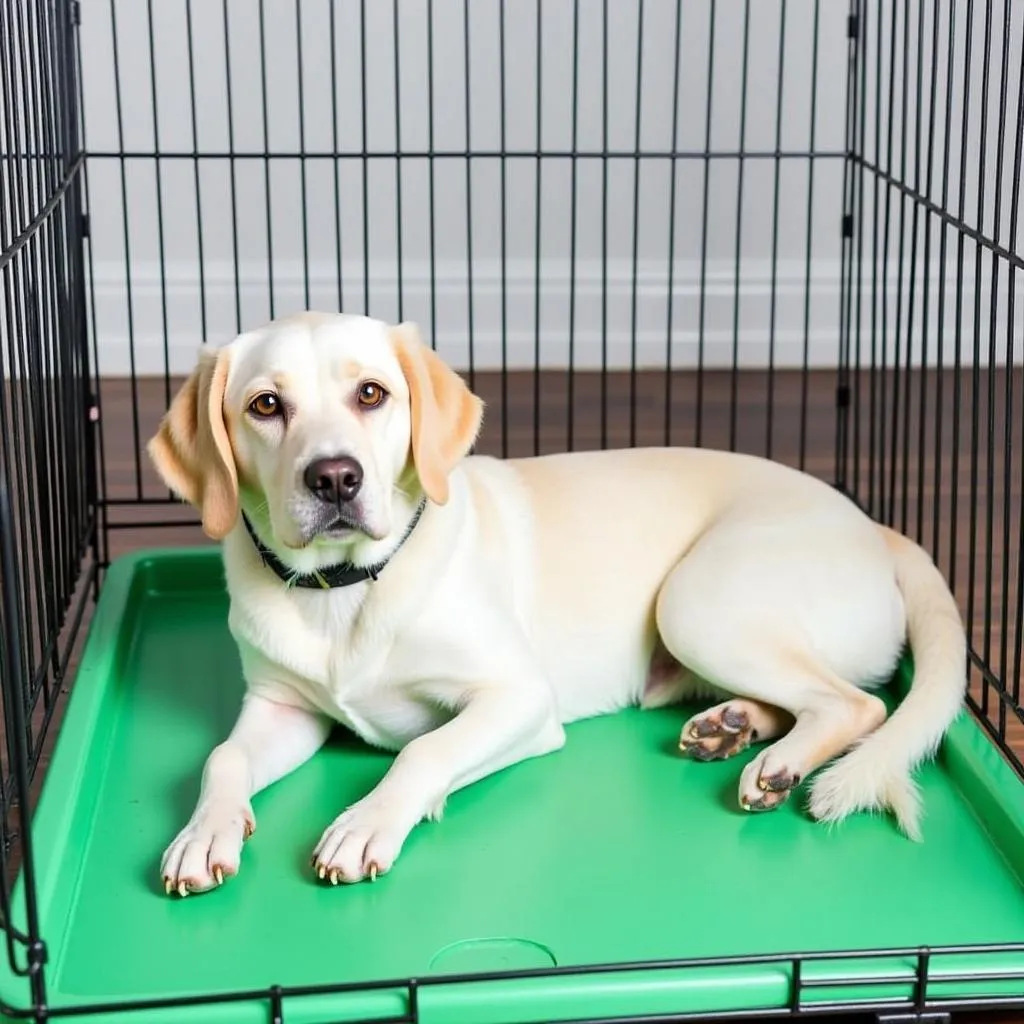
[
  {"x": 192, "y": 451},
  {"x": 446, "y": 415}
]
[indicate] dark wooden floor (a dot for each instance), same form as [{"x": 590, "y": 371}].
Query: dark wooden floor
[{"x": 956, "y": 487}]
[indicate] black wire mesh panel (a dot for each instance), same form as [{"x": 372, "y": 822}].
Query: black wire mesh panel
[
  {"x": 935, "y": 326},
  {"x": 601, "y": 212},
  {"x": 47, "y": 480},
  {"x": 786, "y": 227}
]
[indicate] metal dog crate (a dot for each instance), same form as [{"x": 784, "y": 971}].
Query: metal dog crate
[{"x": 789, "y": 227}]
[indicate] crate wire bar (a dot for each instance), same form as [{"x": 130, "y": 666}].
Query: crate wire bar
[
  {"x": 564, "y": 195},
  {"x": 47, "y": 448}
]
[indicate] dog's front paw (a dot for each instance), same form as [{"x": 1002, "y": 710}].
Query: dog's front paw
[
  {"x": 207, "y": 850},
  {"x": 362, "y": 842}
]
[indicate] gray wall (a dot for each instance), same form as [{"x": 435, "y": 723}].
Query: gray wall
[{"x": 163, "y": 273}]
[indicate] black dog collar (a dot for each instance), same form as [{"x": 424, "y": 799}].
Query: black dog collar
[{"x": 344, "y": 574}]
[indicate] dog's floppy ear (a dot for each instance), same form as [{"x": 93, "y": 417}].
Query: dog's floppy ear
[
  {"x": 446, "y": 415},
  {"x": 191, "y": 450}
]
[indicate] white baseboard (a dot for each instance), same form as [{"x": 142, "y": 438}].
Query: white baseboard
[{"x": 607, "y": 333}]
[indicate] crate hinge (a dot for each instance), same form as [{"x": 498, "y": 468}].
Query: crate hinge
[
  {"x": 86, "y": 225},
  {"x": 76, "y": 12},
  {"x": 852, "y": 26},
  {"x": 276, "y": 1005},
  {"x": 843, "y": 396},
  {"x": 38, "y": 956},
  {"x": 847, "y": 225}
]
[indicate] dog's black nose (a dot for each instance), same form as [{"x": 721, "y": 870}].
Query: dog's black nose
[{"x": 334, "y": 480}]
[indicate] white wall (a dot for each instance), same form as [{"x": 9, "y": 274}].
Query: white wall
[{"x": 168, "y": 286}]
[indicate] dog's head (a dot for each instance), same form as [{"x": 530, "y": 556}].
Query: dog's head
[{"x": 316, "y": 424}]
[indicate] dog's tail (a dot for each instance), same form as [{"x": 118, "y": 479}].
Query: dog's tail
[{"x": 877, "y": 773}]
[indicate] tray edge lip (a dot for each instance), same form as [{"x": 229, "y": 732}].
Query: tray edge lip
[
  {"x": 971, "y": 759},
  {"x": 113, "y": 619}
]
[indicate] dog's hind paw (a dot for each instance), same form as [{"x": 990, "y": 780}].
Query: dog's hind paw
[
  {"x": 717, "y": 733},
  {"x": 763, "y": 787}
]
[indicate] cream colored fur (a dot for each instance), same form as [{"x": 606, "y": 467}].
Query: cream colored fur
[{"x": 533, "y": 592}]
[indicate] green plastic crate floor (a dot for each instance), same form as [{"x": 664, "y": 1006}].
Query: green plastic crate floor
[{"x": 613, "y": 849}]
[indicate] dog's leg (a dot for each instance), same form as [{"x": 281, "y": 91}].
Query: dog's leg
[
  {"x": 722, "y": 731},
  {"x": 752, "y": 641},
  {"x": 496, "y": 728},
  {"x": 268, "y": 741},
  {"x": 730, "y": 727},
  {"x": 830, "y": 715}
]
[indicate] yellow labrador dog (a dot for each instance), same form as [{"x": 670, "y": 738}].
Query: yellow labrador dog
[{"x": 459, "y": 609}]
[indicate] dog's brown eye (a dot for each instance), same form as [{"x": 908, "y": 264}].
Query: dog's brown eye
[
  {"x": 371, "y": 394},
  {"x": 265, "y": 405}
]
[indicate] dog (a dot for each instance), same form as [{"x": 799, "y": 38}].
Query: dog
[{"x": 459, "y": 610}]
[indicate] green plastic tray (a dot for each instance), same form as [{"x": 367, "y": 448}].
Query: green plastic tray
[{"x": 614, "y": 849}]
